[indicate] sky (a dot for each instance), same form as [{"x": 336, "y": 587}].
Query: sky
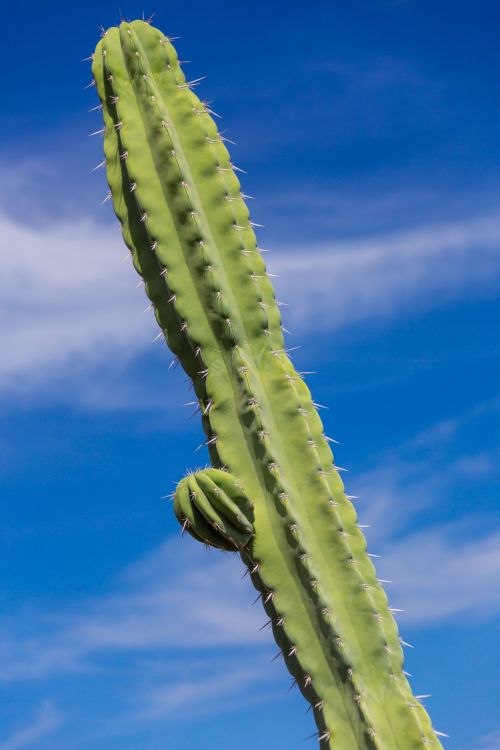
[{"x": 369, "y": 134}]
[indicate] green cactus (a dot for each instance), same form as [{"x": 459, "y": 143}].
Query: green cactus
[{"x": 274, "y": 493}]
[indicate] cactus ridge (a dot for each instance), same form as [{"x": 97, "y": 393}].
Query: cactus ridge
[{"x": 186, "y": 224}]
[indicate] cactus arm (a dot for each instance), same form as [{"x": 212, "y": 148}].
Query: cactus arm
[
  {"x": 185, "y": 222},
  {"x": 213, "y": 508}
]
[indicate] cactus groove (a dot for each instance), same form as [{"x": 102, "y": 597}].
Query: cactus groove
[{"x": 274, "y": 493}]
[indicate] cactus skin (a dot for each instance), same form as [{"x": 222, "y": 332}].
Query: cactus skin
[{"x": 186, "y": 224}]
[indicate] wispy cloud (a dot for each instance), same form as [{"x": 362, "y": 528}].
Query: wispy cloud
[
  {"x": 173, "y": 621},
  {"x": 441, "y": 568},
  {"x": 490, "y": 741},
  {"x": 213, "y": 688},
  {"x": 46, "y": 720},
  {"x": 152, "y": 609},
  {"x": 69, "y": 300},
  {"x": 339, "y": 284}
]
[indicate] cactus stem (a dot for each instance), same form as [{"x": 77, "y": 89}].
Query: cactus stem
[{"x": 176, "y": 192}]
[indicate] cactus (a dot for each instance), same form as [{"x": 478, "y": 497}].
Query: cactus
[{"x": 274, "y": 493}]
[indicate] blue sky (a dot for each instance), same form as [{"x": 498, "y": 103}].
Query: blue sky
[{"x": 369, "y": 131}]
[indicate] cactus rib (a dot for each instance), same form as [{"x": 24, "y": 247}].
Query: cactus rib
[{"x": 185, "y": 221}]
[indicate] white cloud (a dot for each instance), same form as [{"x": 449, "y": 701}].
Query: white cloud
[
  {"x": 439, "y": 576},
  {"x": 69, "y": 303},
  {"x": 68, "y": 300},
  {"x": 440, "y": 569},
  {"x": 182, "y": 597},
  {"x": 490, "y": 741},
  {"x": 176, "y": 617},
  {"x": 338, "y": 284},
  {"x": 47, "y": 719},
  {"x": 219, "y": 690}
]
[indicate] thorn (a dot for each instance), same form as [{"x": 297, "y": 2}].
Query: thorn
[
  {"x": 294, "y": 682},
  {"x": 370, "y": 554},
  {"x": 320, "y": 406},
  {"x": 87, "y": 59},
  {"x": 265, "y": 625},
  {"x": 256, "y": 600},
  {"x": 331, "y": 440},
  {"x": 314, "y": 736},
  {"x": 97, "y": 132},
  {"x": 276, "y": 656},
  {"x": 383, "y": 580},
  {"x": 237, "y": 169},
  {"x": 211, "y": 441},
  {"x": 104, "y": 200},
  {"x": 173, "y": 363},
  {"x": 89, "y": 85},
  {"x": 440, "y": 734},
  {"x": 96, "y": 108},
  {"x": 353, "y": 497},
  {"x": 99, "y": 166},
  {"x": 406, "y": 644},
  {"x": 159, "y": 336}
]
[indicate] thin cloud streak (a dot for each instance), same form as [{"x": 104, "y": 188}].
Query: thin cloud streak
[
  {"x": 489, "y": 741},
  {"x": 340, "y": 284},
  {"x": 152, "y": 610},
  {"x": 46, "y": 721}
]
